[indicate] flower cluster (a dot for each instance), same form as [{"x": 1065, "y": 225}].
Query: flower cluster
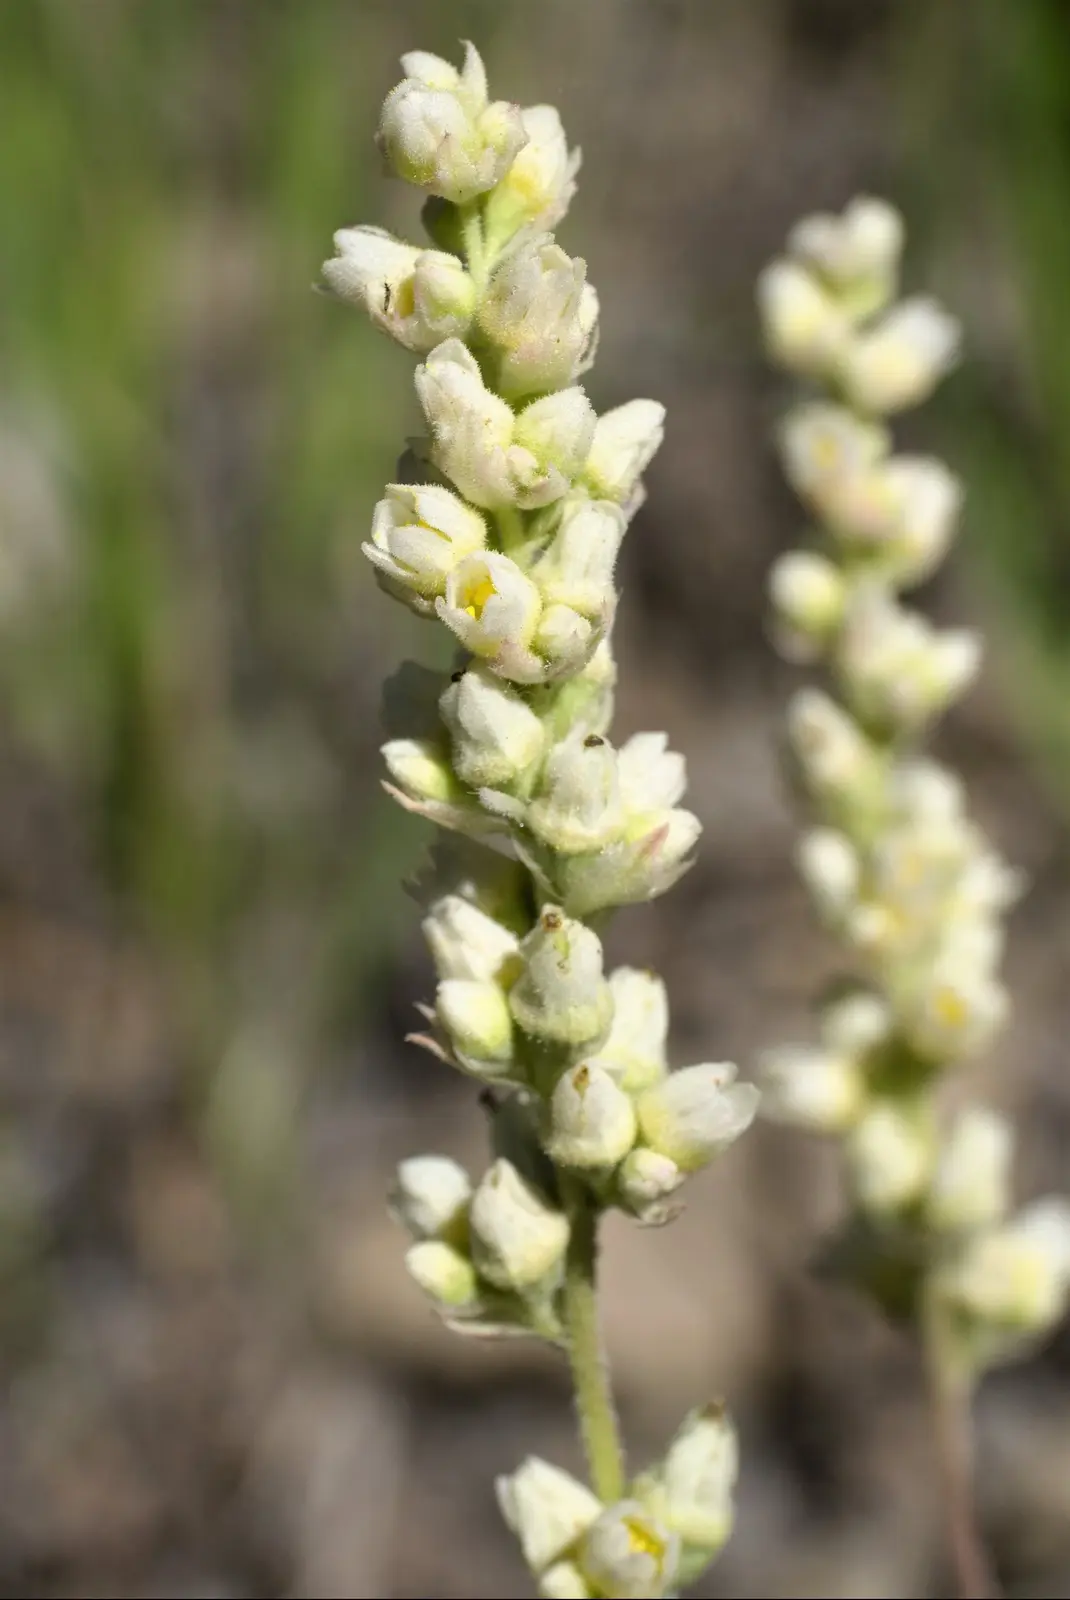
[
  {"x": 504, "y": 528},
  {"x": 893, "y": 864}
]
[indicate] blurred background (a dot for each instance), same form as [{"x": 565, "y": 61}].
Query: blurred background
[{"x": 217, "y": 1380}]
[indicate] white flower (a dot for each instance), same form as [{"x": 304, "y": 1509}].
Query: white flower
[
  {"x": 518, "y": 1239},
  {"x": 494, "y": 610},
  {"x": 547, "y": 1510},
  {"x": 956, "y": 1007},
  {"x": 897, "y": 668},
  {"x": 419, "y": 534},
  {"x": 477, "y": 1018},
  {"x": 563, "y": 641},
  {"x": 495, "y": 735},
  {"x": 625, "y": 441},
  {"x": 419, "y": 297},
  {"x": 564, "y": 1581},
  {"x": 443, "y": 1273},
  {"x": 592, "y": 1121},
  {"x": 837, "y": 761},
  {"x": 576, "y": 569},
  {"x": 856, "y": 253},
  {"x": 634, "y": 1052},
  {"x": 890, "y": 1153},
  {"x": 805, "y": 330},
  {"x": 811, "y": 1087},
  {"x": 694, "y": 1114},
  {"x": 901, "y": 512},
  {"x": 438, "y": 131},
  {"x": 653, "y": 777},
  {"x": 579, "y": 806},
  {"x": 644, "y": 1181},
  {"x": 691, "y": 1491},
  {"x": 1012, "y": 1282},
  {"x": 541, "y": 313},
  {"x": 561, "y": 994},
  {"x": 825, "y": 447},
  {"x": 808, "y": 594},
  {"x": 971, "y": 1185},
  {"x": 420, "y": 768},
  {"x": 430, "y": 1195},
  {"x": 467, "y": 943},
  {"x": 829, "y": 867},
  {"x": 557, "y": 431},
  {"x": 628, "y": 1554},
  {"x": 536, "y": 190},
  {"x": 653, "y": 854},
  {"x": 856, "y": 1023},
  {"x": 899, "y": 362}
]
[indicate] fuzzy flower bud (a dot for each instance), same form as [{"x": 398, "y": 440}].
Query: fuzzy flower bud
[
  {"x": 898, "y": 670},
  {"x": 808, "y": 594},
  {"x": 438, "y": 131},
  {"x": 467, "y": 943},
  {"x": 579, "y": 805},
  {"x": 561, "y": 995},
  {"x": 890, "y": 1154},
  {"x": 823, "y": 448},
  {"x": 828, "y": 865},
  {"x": 493, "y": 608},
  {"x": 419, "y": 297},
  {"x": 837, "y": 761},
  {"x": 653, "y": 854},
  {"x": 420, "y": 769},
  {"x": 805, "y": 330},
  {"x": 419, "y": 534},
  {"x": 495, "y": 735},
  {"x": 518, "y": 1239},
  {"x": 576, "y": 569},
  {"x": 856, "y": 253},
  {"x": 634, "y": 1052},
  {"x": 480, "y": 1026},
  {"x": 564, "y": 1581},
  {"x": 443, "y": 1273},
  {"x": 956, "y": 1008},
  {"x": 625, "y": 441},
  {"x": 901, "y": 514},
  {"x": 627, "y": 1553},
  {"x": 971, "y": 1185},
  {"x": 644, "y": 1181},
  {"x": 811, "y": 1087},
  {"x": 547, "y": 1510},
  {"x": 1011, "y": 1283},
  {"x": 691, "y": 1492},
  {"x": 899, "y": 362},
  {"x": 543, "y": 316},
  {"x": 536, "y": 190},
  {"x": 694, "y": 1114},
  {"x": 430, "y": 1195},
  {"x": 592, "y": 1121}
]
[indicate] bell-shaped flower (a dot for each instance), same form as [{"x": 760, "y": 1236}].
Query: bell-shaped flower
[
  {"x": 438, "y": 131},
  {"x": 691, "y": 1490},
  {"x": 547, "y": 1509},
  {"x": 495, "y": 736},
  {"x": 625, "y": 442},
  {"x": 542, "y": 315},
  {"x": 576, "y": 568},
  {"x": 971, "y": 1184},
  {"x": 419, "y": 297},
  {"x": 592, "y": 1120},
  {"x": 898, "y": 362},
  {"x": 536, "y": 190},
  {"x": 634, "y": 1052},
  {"x": 419, "y": 534},
  {"x": 629, "y": 1554},
  {"x": 430, "y": 1196},
  {"x": 518, "y": 1237},
  {"x": 561, "y": 995},
  {"x": 578, "y": 806},
  {"x": 694, "y": 1114},
  {"x": 494, "y": 609},
  {"x": 804, "y": 328}
]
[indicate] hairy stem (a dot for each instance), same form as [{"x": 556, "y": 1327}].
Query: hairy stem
[
  {"x": 590, "y": 1373},
  {"x": 950, "y": 1393}
]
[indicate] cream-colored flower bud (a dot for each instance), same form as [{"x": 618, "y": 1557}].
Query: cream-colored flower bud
[
  {"x": 564, "y": 1581},
  {"x": 579, "y": 806},
  {"x": 443, "y": 1273},
  {"x": 480, "y": 1026},
  {"x": 899, "y": 362},
  {"x": 890, "y": 1153},
  {"x": 561, "y": 994},
  {"x": 472, "y": 429},
  {"x": 811, "y": 1087},
  {"x": 419, "y": 534},
  {"x": 903, "y": 512},
  {"x": 956, "y": 1009},
  {"x": 645, "y": 1180},
  {"x": 592, "y": 1121},
  {"x": 419, "y": 297},
  {"x": 971, "y": 1185},
  {"x": 694, "y": 1114},
  {"x": 824, "y": 448},
  {"x": 634, "y": 1052},
  {"x": 419, "y": 767},
  {"x": 563, "y": 640},
  {"x": 897, "y": 668},
  {"x": 495, "y": 735},
  {"x": 547, "y": 1510},
  {"x": 557, "y": 431},
  {"x": 925, "y": 793},
  {"x": 627, "y": 1553},
  {"x": 808, "y": 594},
  {"x": 430, "y": 1195},
  {"x": 1015, "y": 1278},
  {"x": 828, "y": 865},
  {"x": 536, "y": 190},
  {"x": 493, "y": 608},
  {"x": 654, "y": 853},
  {"x": 467, "y": 943},
  {"x": 856, "y": 1023},
  {"x": 805, "y": 330},
  {"x": 653, "y": 777},
  {"x": 856, "y": 253},
  {"x": 691, "y": 1492},
  {"x": 539, "y": 312},
  {"x": 576, "y": 568},
  {"x": 518, "y": 1238},
  {"x": 837, "y": 761},
  {"x": 625, "y": 441},
  {"x": 438, "y": 132}
]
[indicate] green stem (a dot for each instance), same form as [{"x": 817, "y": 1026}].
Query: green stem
[
  {"x": 475, "y": 254},
  {"x": 590, "y": 1374},
  {"x": 950, "y": 1390}
]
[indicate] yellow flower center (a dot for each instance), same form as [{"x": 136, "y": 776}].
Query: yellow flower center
[
  {"x": 950, "y": 1008},
  {"x": 477, "y": 595},
  {"x": 644, "y": 1541}
]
